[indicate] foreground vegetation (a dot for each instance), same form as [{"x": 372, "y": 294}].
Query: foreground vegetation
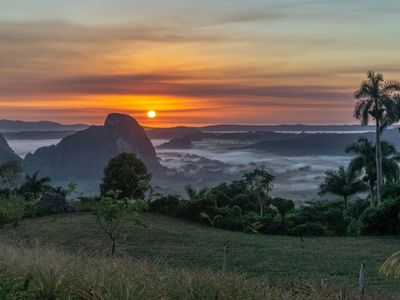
[
  {"x": 179, "y": 244},
  {"x": 43, "y": 273}
]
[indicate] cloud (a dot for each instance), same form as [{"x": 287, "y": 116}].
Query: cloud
[
  {"x": 179, "y": 84},
  {"x": 37, "y": 32}
]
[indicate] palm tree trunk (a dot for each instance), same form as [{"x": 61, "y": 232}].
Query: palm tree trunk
[
  {"x": 378, "y": 154},
  {"x": 344, "y": 207}
]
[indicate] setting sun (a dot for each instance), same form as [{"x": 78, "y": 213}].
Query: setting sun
[{"x": 151, "y": 114}]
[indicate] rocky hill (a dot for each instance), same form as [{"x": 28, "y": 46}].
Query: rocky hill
[
  {"x": 83, "y": 155},
  {"x": 6, "y": 153}
]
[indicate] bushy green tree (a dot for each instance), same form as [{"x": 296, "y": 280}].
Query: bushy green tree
[{"x": 127, "y": 174}]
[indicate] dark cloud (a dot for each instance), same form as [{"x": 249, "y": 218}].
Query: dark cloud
[{"x": 176, "y": 85}]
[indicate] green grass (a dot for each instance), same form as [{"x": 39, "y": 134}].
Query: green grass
[{"x": 177, "y": 243}]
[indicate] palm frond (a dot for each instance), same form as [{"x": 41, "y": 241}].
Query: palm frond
[{"x": 391, "y": 86}]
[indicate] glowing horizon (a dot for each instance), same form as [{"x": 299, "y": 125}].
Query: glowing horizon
[{"x": 194, "y": 63}]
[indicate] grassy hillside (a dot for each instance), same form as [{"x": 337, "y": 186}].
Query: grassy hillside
[{"x": 177, "y": 243}]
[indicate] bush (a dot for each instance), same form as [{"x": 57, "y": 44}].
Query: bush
[
  {"x": 12, "y": 210},
  {"x": 308, "y": 229},
  {"x": 168, "y": 205},
  {"x": 381, "y": 220},
  {"x": 357, "y": 208},
  {"x": 354, "y": 227}
]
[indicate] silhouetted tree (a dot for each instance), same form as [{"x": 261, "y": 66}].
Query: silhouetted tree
[
  {"x": 34, "y": 186},
  {"x": 128, "y": 175},
  {"x": 193, "y": 193},
  {"x": 375, "y": 99},
  {"x": 259, "y": 181},
  {"x": 365, "y": 161},
  {"x": 283, "y": 206},
  {"x": 343, "y": 182}
]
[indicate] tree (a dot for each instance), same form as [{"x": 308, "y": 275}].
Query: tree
[
  {"x": 375, "y": 100},
  {"x": 365, "y": 161},
  {"x": 112, "y": 212},
  {"x": 343, "y": 182},
  {"x": 33, "y": 186},
  {"x": 283, "y": 206},
  {"x": 10, "y": 174},
  {"x": 127, "y": 174},
  {"x": 259, "y": 181},
  {"x": 195, "y": 194}
]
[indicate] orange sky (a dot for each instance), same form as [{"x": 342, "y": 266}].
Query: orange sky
[{"x": 195, "y": 63}]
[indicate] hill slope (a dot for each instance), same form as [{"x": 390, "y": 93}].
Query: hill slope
[
  {"x": 6, "y": 153},
  {"x": 183, "y": 244}
]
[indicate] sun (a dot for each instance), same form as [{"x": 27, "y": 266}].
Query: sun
[{"x": 151, "y": 114}]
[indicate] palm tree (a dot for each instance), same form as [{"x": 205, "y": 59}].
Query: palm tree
[
  {"x": 391, "y": 266},
  {"x": 375, "y": 99},
  {"x": 34, "y": 186},
  {"x": 193, "y": 193},
  {"x": 343, "y": 182},
  {"x": 365, "y": 162}
]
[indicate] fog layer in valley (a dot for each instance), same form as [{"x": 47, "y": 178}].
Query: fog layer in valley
[{"x": 210, "y": 162}]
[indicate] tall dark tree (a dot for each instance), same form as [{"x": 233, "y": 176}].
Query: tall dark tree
[
  {"x": 376, "y": 100},
  {"x": 260, "y": 181},
  {"x": 365, "y": 162},
  {"x": 126, "y": 174},
  {"x": 343, "y": 182}
]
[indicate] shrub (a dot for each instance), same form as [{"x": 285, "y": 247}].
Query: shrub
[
  {"x": 12, "y": 210},
  {"x": 357, "y": 208},
  {"x": 168, "y": 205},
  {"x": 354, "y": 227},
  {"x": 383, "y": 219}
]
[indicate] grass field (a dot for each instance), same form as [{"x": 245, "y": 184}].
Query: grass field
[{"x": 178, "y": 243}]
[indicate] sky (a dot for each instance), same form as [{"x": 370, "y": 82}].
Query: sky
[{"x": 194, "y": 62}]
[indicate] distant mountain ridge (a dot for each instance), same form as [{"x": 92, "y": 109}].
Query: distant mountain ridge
[
  {"x": 286, "y": 127},
  {"x": 17, "y": 126},
  {"x": 183, "y": 131}
]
